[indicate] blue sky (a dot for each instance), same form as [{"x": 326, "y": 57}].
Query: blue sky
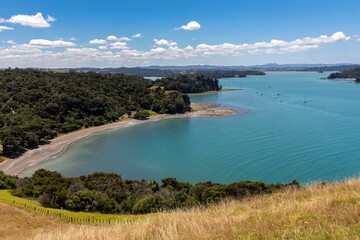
[{"x": 113, "y": 33}]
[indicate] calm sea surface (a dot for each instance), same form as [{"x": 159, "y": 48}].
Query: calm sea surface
[{"x": 277, "y": 138}]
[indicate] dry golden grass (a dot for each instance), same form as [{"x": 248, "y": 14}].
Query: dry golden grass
[
  {"x": 330, "y": 211},
  {"x": 18, "y": 224}
]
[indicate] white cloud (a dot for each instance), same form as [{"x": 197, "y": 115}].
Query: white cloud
[
  {"x": 42, "y": 53},
  {"x": 49, "y": 43},
  {"x": 273, "y": 47},
  {"x": 119, "y": 45},
  {"x": 114, "y": 38},
  {"x": 163, "y": 42},
  {"x": 35, "y": 21},
  {"x": 2, "y": 28},
  {"x": 11, "y": 42},
  {"x": 50, "y": 19},
  {"x": 72, "y": 39},
  {"x": 190, "y": 26},
  {"x": 124, "y": 39},
  {"x": 111, "y": 38},
  {"x": 137, "y": 35},
  {"x": 98, "y": 41}
]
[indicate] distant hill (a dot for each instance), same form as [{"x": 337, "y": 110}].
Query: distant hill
[
  {"x": 329, "y": 68},
  {"x": 264, "y": 67},
  {"x": 210, "y": 72},
  {"x": 173, "y": 71}
]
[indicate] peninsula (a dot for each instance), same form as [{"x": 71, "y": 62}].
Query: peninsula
[{"x": 351, "y": 74}]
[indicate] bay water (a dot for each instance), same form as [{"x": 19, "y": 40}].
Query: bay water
[{"x": 291, "y": 125}]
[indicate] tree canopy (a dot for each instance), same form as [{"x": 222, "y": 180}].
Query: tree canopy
[{"x": 189, "y": 83}]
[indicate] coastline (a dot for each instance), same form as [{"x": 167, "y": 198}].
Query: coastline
[
  {"x": 341, "y": 79},
  {"x": 213, "y": 92},
  {"x": 59, "y": 144}
]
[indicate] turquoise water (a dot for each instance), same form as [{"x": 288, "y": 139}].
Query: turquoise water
[{"x": 272, "y": 140}]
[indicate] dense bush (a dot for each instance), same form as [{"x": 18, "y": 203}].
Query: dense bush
[
  {"x": 7, "y": 182},
  {"x": 141, "y": 115},
  {"x": 92, "y": 201},
  {"x": 109, "y": 193},
  {"x": 149, "y": 203},
  {"x": 189, "y": 84}
]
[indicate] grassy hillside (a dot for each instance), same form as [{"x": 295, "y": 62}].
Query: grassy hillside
[
  {"x": 64, "y": 215},
  {"x": 330, "y": 211}
]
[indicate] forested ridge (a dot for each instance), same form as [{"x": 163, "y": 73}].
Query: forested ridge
[
  {"x": 189, "y": 83},
  {"x": 36, "y": 106},
  {"x": 171, "y": 72},
  {"x": 109, "y": 193}
]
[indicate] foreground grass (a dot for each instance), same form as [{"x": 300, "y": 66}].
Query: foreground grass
[
  {"x": 18, "y": 224},
  {"x": 65, "y": 215},
  {"x": 330, "y": 211}
]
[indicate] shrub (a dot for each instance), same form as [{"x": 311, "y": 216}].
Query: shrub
[
  {"x": 45, "y": 199},
  {"x": 92, "y": 201},
  {"x": 184, "y": 200},
  {"x": 141, "y": 115},
  {"x": 7, "y": 182},
  {"x": 212, "y": 194},
  {"x": 75, "y": 187},
  {"x": 149, "y": 204},
  {"x": 246, "y": 188}
]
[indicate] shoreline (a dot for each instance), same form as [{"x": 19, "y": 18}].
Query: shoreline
[
  {"x": 340, "y": 79},
  {"x": 58, "y": 145},
  {"x": 213, "y": 92}
]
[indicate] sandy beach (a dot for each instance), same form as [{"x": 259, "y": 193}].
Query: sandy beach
[{"x": 58, "y": 145}]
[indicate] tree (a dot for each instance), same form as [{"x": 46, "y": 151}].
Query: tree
[
  {"x": 142, "y": 115},
  {"x": 212, "y": 194},
  {"x": 149, "y": 203},
  {"x": 92, "y": 201},
  {"x": 7, "y": 182}
]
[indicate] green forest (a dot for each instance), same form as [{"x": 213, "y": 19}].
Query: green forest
[
  {"x": 352, "y": 73},
  {"x": 171, "y": 72},
  {"x": 37, "y": 105},
  {"x": 109, "y": 193},
  {"x": 189, "y": 84}
]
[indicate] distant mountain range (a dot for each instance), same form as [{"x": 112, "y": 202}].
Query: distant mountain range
[
  {"x": 268, "y": 67},
  {"x": 175, "y": 70}
]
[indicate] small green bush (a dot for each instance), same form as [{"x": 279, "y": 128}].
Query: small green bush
[
  {"x": 141, "y": 115},
  {"x": 92, "y": 201},
  {"x": 149, "y": 204},
  {"x": 7, "y": 182}
]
